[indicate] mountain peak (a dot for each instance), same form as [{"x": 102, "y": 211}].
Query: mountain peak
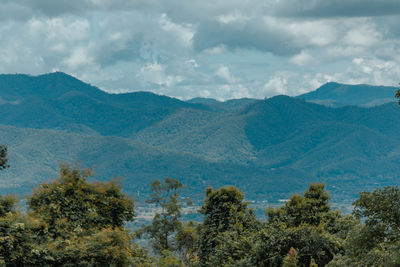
[
  {"x": 47, "y": 86},
  {"x": 58, "y": 75},
  {"x": 336, "y": 95}
]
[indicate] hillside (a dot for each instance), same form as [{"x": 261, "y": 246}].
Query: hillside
[
  {"x": 270, "y": 148},
  {"x": 35, "y": 154},
  {"x": 59, "y": 101}
]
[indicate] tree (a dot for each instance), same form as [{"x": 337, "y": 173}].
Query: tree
[
  {"x": 81, "y": 223},
  {"x": 7, "y": 204},
  {"x": 3, "y": 157},
  {"x": 305, "y": 223},
  {"x": 18, "y": 239},
  {"x": 376, "y": 242},
  {"x": 381, "y": 211},
  {"x": 313, "y": 208},
  {"x": 71, "y": 204},
  {"x": 71, "y": 222},
  {"x": 166, "y": 223},
  {"x": 226, "y": 234}
]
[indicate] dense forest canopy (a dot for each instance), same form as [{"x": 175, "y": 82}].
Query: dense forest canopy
[{"x": 73, "y": 222}]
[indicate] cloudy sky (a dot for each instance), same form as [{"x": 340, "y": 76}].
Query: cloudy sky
[{"x": 221, "y": 48}]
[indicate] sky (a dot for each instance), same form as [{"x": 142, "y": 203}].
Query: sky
[{"x": 220, "y": 49}]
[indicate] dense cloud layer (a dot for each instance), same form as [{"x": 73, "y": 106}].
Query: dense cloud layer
[{"x": 221, "y": 49}]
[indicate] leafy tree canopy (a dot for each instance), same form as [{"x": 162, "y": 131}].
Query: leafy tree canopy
[
  {"x": 72, "y": 204},
  {"x": 71, "y": 222},
  {"x": 376, "y": 242},
  {"x": 305, "y": 224},
  {"x": 225, "y": 236}
]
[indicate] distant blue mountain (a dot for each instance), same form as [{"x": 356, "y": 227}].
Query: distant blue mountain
[
  {"x": 59, "y": 101},
  {"x": 269, "y": 148},
  {"x": 337, "y": 95}
]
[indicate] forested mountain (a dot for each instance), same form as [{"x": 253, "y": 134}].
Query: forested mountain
[
  {"x": 337, "y": 95},
  {"x": 59, "y": 101},
  {"x": 270, "y": 148}
]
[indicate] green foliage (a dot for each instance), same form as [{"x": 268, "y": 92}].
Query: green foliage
[
  {"x": 140, "y": 257},
  {"x": 376, "y": 242},
  {"x": 3, "y": 157},
  {"x": 166, "y": 222},
  {"x": 71, "y": 222},
  {"x": 272, "y": 244},
  {"x": 186, "y": 239},
  {"x": 312, "y": 209},
  {"x": 308, "y": 225},
  {"x": 381, "y": 211},
  {"x": 228, "y": 225},
  {"x": 168, "y": 259},
  {"x": 19, "y": 241},
  {"x": 16, "y": 241},
  {"x": 106, "y": 247},
  {"x": 291, "y": 259},
  {"x": 71, "y": 204},
  {"x": 7, "y": 204},
  {"x": 313, "y": 263}
]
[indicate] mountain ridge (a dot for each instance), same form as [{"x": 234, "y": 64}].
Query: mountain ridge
[
  {"x": 270, "y": 148},
  {"x": 337, "y": 95}
]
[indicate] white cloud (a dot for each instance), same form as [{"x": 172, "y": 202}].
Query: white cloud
[
  {"x": 219, "y": 49},
  {"x": 276, "y": 85},
  {"x": 363, "y": 34},
  {"x": 182, "y": 33},
  {"x": 303, "y": 59},
  {"x": 79, "y": 57},
  {"x": 191, "y": 63},
  {"x": 224, "y": 73},
  {"x": 69, "y": 30},
  {"x": 154, "y": 73},
  {"x": 232, "y": 18},
  {"x": 314, "y": 33}
]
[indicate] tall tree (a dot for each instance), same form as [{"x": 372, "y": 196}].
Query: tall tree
[
  {"x": 225, "y": 236},
  {"x": 305, "y": 223},
  {"x": 166, "y": 222},
  {"x": 313, "y": 208}
]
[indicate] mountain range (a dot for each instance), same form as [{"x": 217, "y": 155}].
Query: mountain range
[
  {"x": 339, "y": 95},
  {"x": 344, "y": 135}
]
